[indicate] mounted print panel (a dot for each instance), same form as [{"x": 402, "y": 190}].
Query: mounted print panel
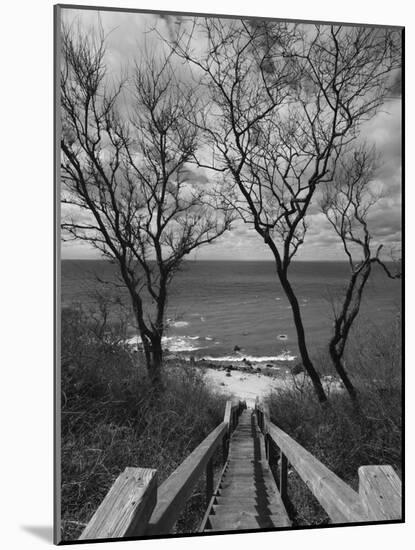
[{"x": 230, "y": 274}]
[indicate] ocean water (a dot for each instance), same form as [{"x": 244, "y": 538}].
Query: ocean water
[{"x": 216, "y": 307}]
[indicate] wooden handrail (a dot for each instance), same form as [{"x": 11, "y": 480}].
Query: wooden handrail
[
  {"x": 341, "y": 503},
  {"x": 174, "y": 492},
  {"x": 127, "y": 507},
  {"x": 133, "y": 498},
  {"x": 379, "y": 489}
]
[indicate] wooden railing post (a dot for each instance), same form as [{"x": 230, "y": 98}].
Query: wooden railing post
[
  {"x": 225, "y": 446},
  {"x": 227, "y": 418},
  {"x": 209, "y": 481},
  {"x": 127, "y": 507},
  {"x": 228, "y": 412},
  {"x": 283, "y": 477},
  {"x": 265, "y": 418},
  {"x": 380, "y": 493},
  {"x": 339, "y": 500}
]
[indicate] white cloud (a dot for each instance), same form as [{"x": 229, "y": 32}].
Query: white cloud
[{"x": 127, "y": 34}]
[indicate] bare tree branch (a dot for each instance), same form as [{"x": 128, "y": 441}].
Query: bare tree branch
[
  {"x": 125, "y": 177},
  {"x": 347, "y": 203},
  {"x": 283, "y": 101}
]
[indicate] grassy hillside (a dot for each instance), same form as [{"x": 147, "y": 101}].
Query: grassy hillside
[
  {"x": 340, "y": 438},
  {"x": 111, "y": 419}
]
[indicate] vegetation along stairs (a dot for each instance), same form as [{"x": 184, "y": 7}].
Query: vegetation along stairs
[{"x": 247, "y": 496}]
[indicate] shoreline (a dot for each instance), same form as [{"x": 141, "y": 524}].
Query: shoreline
[
  {"x": 270, "y": 369},
  {"x": 246, "y": 382}
]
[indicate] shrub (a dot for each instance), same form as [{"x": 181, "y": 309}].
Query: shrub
[
  {"x": 338, "y": 436},
  {"x": 110, "y": 419}
]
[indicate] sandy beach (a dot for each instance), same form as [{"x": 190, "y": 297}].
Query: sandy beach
[
  {"x": 247, "y": 386},
  {"x": 244, "y": 385}
]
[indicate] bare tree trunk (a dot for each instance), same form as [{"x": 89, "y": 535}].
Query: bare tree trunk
[
  {"x": 302, "y": 345},
  {"x": 153, "y": 354},
  {"x": 152, "y": 348},
  {"x": 343, "y": 324},
  {"x": 341, "y": 371},
  {"x": 155, "y": 368}
]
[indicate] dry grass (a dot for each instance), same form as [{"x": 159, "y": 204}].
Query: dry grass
[
  {"x": 111, "y": 419},
  {"x": 342, "y": 439}
]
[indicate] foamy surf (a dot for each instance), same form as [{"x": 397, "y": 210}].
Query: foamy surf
[
  {"x": 284, "y": 356},
  {"x": 174, "y": 344},
  {"x": 179, "y": 324}
]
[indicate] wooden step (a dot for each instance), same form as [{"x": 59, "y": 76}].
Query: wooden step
[
  {"x": 255, "y": 462},
  {"x": 234, "y": 495},
  {"x": 256, "y": 474},
  {"x": 244, "y": 467},
  {"x": 245, "y": 501},
  {"x": 247, "y": 496},
  {"x": 239, "y": 521},
  {"x": 247, "y": 485},
  {"x": 264, "y": 510}
]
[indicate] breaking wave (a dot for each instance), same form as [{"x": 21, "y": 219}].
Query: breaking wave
[
  {"x": 172, "y": 343},
  {"x": 284, "y": 356},
  {"x": 179, "y": 324}
]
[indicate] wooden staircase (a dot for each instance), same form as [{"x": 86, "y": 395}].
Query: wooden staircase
[{"x": 247, "y": 496}]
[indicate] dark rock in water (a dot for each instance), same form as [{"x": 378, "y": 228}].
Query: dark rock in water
[
  {"x": 228, "y": 373},
  {"x": 270, "y": 366},
  {"x": 236, "y": 348},
  {"x": 229, "y": 368},
  {"x": 258, "y": 369},
  {"x": 297, "y": 369}
]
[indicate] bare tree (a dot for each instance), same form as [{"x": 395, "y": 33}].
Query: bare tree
[
  {"x": 284, "y": 100},
  {"x": 126, "y": 189},
  {"x": 347, "y": 203}
]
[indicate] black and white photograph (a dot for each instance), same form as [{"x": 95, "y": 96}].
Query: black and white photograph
[{"x": 229, "y": 274}]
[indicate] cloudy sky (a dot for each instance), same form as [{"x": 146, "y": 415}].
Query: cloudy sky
[{"x": 126, "y": 34}]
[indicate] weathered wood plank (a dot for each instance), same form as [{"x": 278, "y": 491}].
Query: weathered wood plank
[
  {"x": 341, "y": 503},
  {"x": 381, "y": 492},
  {"x": 247, "y": 501},
  {"x": 252, "y": 508},
  {"x": 127, "y": 507},
  {"x": 174, "y": 492},
  {"x": 242, "y": 520}
]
